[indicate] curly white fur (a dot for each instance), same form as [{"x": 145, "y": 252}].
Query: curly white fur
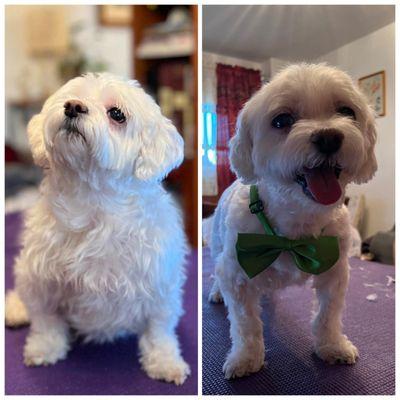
[
  {"x": 104, "y": 248},
  {"x": 271, "y": 158}
]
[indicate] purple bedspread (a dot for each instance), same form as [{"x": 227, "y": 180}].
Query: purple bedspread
[
  {"x": 292, "y": 368},
  {"x": 110, "y": 369}
]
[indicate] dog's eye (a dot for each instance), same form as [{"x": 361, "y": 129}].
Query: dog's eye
[
  {"x": 117, "y": 115},
  {"x": 282, "y": 121},
  {"x": 346, "y": 112}
]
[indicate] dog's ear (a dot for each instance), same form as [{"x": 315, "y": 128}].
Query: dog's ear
[
  {"x": 240, "y": 149},
  {"x": 161, "y": 150},
  {"x": 369, "y": 167},
  {"x": 36, "y": 140}
]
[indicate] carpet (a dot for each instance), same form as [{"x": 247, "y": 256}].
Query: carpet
[{"x": 292, "y": 368}]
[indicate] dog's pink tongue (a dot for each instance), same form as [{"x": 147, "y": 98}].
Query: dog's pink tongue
[{"x": 323, "y": 185}]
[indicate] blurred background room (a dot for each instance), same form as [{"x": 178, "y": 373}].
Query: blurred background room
[
  {"x": 45, "y": 46},
  {"x": 243, "y": 48}
]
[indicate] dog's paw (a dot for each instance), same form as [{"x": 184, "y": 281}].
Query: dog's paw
[
  {"x": 174, "y": 370},
  {"x": 15, "y": 311},
  {"x": 341, "y": 352},
  {"x": 215, "y": 295},
  {"x": 45, "y": 349},
  {"x": 243, "y": 363}
]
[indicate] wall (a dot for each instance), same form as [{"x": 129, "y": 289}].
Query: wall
[
  {"x": 114, "y": 45},
  {"x": 272, "y": 66},
  {"x": 25, "y": 75},
  {"x": 369, "y": 54}
]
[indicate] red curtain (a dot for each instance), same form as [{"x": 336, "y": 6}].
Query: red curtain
[{"x": 235, "y": 85}]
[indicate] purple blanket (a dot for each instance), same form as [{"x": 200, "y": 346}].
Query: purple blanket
[
  {"x": 110, "y": 369},
  {"x": 292, "y": 368}
]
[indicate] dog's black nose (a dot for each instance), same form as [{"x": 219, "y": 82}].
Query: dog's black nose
[
  {"x": 327, "y": 141},
  {"x": 73, "y": 108}
]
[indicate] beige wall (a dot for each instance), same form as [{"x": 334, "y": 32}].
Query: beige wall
[{"x": 25, "y": 75}]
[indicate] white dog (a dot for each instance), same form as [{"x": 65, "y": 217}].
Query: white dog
[
  {"x": 104, "y": 248},
  {"x": 301, "y": 139}
]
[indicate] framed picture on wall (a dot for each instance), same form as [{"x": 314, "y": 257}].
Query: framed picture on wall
[
  {"x": 113, "y": 15},
  {"x": 374, "y": 88}
]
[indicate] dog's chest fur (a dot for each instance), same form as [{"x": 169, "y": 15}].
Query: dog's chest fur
[{"x": 115, "y": 261}]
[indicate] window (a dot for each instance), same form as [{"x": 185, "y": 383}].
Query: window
[
  {"x": 209, "y": 150},
  {"x": 209, "y": 139}
]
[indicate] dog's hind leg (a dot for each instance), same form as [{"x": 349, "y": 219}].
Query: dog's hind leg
[
  {"x": 16, "y": 313},
  {"x": 216, "y": 249},
  {"x": 215, "y": 295}
]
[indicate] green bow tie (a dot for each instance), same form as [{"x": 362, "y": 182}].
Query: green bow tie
[{"x": 256, "y": 252}]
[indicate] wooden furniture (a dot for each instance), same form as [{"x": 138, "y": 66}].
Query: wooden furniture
[
  {"x": 183, "y": 180},
  {"x": 209, "y": 205}
]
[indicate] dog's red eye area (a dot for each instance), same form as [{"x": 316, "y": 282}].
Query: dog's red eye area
[
  {"x": 117, "y": 115},
  {"x": 346, "y": 112},
  {"x": 282, "y": 121}
]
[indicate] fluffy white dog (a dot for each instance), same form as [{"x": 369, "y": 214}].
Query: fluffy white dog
[
  {"x": 302, "y": 139},
  {"x": 104, "y": 248}
]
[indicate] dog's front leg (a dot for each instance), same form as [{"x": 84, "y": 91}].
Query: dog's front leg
[
  {"x": 247, "y": 352},
  {"x": 48, "y": 339},
  {"x": 331, "y": 345},
  {"x": 160, "y": 354}
]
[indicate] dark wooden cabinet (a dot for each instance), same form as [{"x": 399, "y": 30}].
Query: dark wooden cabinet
[{"x": 183, "y": 181}]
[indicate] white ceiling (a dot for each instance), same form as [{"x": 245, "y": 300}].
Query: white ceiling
[{"x": 258, "y": 32}]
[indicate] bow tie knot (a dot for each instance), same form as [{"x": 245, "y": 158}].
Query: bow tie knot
[
  {"x": 289, "y": 244},
  {"x": 256, "y": 252}
]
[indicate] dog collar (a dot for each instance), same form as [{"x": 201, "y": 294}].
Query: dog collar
[{"x": 256, "y": 252}]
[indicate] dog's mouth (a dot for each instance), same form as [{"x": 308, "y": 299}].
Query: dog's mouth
[
  {"x": 321, "y": 183},
  {"x": 72, "y": 130}
]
